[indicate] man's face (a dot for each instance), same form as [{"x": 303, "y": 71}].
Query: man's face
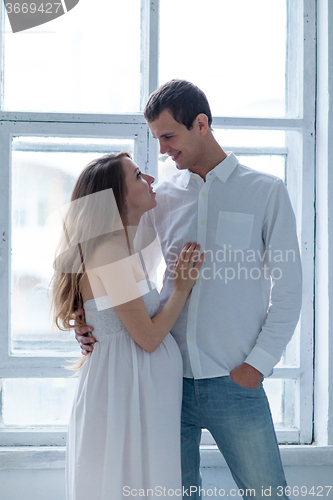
[{"x": 176, "y": 140}]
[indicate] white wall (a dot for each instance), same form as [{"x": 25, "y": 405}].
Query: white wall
[
  {"x": 48, "y": 484},
  {"x": 323, "y": 401},
  {"x": 297, "y": 476}
]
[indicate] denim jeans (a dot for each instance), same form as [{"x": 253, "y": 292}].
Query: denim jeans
[{"x": 240, "y": 421}]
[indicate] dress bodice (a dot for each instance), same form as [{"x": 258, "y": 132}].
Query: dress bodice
[{"x": 103, "y": 318}]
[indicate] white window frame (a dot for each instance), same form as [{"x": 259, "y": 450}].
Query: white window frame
[{"x": 300, "y": 153}]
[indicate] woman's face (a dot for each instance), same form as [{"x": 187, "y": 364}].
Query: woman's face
[{"x": 140, "y": 195}]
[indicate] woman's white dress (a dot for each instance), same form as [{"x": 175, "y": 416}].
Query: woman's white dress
[{"x": 124, "y": 430}]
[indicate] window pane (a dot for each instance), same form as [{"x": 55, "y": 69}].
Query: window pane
[
  {"x": 30, "y": 402},
  {"x": 281, "y": 397},
  {"x": 235, "y": 51},
  {"x": 87, "y": 60},
  {"x": 249, "y": 147},
  {"x": 35, "y": 402},
  {"x": 42, "y": 182},
  {"x": 273, "y": 164},
  {"x": 247, "y": 138}
]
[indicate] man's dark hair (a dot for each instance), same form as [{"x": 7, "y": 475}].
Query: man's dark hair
[{"x": 184, "y": 100}]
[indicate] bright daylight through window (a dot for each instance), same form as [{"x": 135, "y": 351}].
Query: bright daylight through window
[{"x": 64, "y": 101}]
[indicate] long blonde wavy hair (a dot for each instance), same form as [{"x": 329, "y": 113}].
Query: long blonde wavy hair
[{"x": 75, "y": 246}]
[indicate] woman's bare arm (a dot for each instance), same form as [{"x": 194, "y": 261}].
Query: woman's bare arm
[{"x": 120, "y": 284}]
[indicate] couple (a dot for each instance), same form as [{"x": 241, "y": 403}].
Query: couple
[{"x": 231, "y": 332}]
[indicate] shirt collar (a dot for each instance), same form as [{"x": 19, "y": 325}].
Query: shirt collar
[
  {"x": 223, "y": 170},
  {"x": 188, "y": 176}
]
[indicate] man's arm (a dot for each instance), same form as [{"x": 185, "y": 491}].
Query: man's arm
[
  {"x": 280, "y": 237},
  {"x": 83, "y": 335}
]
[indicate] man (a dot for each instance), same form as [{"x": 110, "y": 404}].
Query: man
[{"x": 244, "y": 307}]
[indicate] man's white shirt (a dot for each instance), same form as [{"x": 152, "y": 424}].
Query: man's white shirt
[{"x": 246, "y": 302}]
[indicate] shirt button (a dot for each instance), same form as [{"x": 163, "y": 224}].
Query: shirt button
[
  {"x": 192, "y": 308},
  {"x": 203, "y": 194},
  {"x": 202, "y": 222},
  {"x": 197, "y": 280},
  {"x": 190, "y": 338}
]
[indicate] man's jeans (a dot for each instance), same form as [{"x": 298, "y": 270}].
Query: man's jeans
[{"x": 240, "y": 421}]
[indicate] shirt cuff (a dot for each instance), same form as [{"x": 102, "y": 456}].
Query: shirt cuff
[{"x": 261, "y": 360}]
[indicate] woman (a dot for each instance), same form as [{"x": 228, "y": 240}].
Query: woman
[{"x": 124, "y": 431}]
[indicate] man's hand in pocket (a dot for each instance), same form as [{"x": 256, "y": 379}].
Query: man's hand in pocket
[{"x": 246, "y": 376}]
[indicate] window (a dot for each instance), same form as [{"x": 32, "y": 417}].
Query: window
[{"x": 74, "y": 89}]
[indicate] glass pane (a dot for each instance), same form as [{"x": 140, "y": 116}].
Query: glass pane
[
  {"x": 246, "y": 138},
  {"x": 235, "y": 51},
  {"x": 290, "y": 355},
  {"x": 240, "y": 139},
  {"x": 87, "y": 60},
  {"x": 273, "y": 164},
  {"x": 274, "y": 391},
  {"x": 30, "y": 402},
  {"x": 281, "y": 397},
  {"x": 35, "y": 402},
  {"x": 42, "y": 182}
]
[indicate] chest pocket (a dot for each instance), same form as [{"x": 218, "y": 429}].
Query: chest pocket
[{"x": 234, "y": 229}]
